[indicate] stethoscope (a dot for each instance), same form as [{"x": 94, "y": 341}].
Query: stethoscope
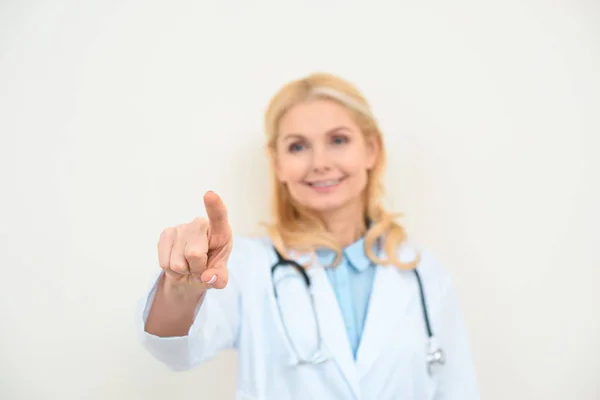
[{"x": 435, "y": 354}]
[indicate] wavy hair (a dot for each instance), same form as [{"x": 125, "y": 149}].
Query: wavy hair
[{"x": 298, "y": 228}]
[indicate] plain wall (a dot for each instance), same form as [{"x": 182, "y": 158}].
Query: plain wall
[{"x": 117, "y": 116}]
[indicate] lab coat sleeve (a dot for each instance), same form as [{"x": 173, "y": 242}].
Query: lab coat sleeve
[
  {"x": 456, "y": 380},
  {"x": 215, "y": 327}
]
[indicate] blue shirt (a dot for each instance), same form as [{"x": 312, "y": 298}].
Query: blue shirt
[{"x": 352, "y": 282}]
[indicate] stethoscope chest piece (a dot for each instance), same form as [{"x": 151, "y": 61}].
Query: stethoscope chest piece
[{"x": 435, "y": 355}]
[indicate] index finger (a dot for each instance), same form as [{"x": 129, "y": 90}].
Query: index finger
[{"x": 217, "y": 214}]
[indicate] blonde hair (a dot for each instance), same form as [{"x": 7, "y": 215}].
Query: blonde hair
[{"x": 295, "y": 226}]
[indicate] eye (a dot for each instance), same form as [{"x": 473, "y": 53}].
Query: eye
[
  {"x": 339, "y": 139},
  {"x": 295, "y": 147}
]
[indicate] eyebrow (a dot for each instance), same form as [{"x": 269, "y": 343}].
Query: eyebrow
[{"x": 295, "y": 135}]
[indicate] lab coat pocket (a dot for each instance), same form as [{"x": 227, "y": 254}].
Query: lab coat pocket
[{"x": 296, "y": 316}]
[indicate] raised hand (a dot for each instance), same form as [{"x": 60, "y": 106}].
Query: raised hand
[{"x": 196, "y": 253}]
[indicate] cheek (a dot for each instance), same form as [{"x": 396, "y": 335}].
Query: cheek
[
  {"x": 358, "y": 181},
  {"x": 355, "y": 167},
  {"x": 292, "y": 169},
  {"x": 353, "y": 162}
]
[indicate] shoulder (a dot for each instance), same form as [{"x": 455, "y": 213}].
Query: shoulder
[
  {"x": 430, "y": 268},
  {"x": 436, "y": 278}
]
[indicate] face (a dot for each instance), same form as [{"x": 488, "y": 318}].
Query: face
[{"x": 322, "y": 156}]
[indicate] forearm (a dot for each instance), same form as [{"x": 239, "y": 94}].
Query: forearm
[{"x": 173, "y": 309}]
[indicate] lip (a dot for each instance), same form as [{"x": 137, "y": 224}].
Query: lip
[{"x": 327, "y": 188}]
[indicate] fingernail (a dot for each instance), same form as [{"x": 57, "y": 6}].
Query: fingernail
[{"x": 212, "y": 280}]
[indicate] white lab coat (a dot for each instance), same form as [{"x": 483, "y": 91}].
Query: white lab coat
[{"x": 391, "y": 359}]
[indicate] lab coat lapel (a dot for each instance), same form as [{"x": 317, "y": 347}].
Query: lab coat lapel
[
  {"x": 390, "y": 299},
  {"x": 332, "y": 326}
]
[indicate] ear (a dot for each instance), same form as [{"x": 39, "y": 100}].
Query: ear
[{"x": 373, "y": 150}]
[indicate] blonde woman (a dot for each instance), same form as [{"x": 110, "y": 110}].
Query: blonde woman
[{"x": 333, "y": 303}]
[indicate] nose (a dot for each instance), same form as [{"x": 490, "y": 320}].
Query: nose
[{"x": 320, "y": 160}]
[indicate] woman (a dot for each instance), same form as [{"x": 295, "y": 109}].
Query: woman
[{"x": 356, "y": 327}]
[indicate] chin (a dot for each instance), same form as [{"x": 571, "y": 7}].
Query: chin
[
  {"x": 325, "y": 208},
  {"x": 326, "y": 205}
]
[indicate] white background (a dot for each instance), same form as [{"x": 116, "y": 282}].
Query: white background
[{"x": 117, "y": 116}]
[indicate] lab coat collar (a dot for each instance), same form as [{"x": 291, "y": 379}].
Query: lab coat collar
[
  {"x": 333, "y": 331},
  {"x": 392, "y": 294},
  {"x": 394, "y": 290}
]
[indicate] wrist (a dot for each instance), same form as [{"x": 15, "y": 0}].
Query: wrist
[{"x": 181, "y": 292}]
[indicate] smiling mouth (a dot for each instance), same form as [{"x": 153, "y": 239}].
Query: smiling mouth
[{"x": 325, "y": 183}]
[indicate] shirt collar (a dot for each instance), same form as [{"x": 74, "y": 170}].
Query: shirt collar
[{"x": 354, "y": 254}]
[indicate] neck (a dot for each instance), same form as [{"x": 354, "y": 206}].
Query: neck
[{"x": 346, "y": 225}]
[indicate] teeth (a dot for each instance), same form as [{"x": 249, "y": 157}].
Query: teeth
[{"x": 326, "y": 183}]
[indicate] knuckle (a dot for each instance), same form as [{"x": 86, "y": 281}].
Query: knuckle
[
  {"x": 195, "y": 254},
  {"x": 166, "y": 234},
  {"x": 200, "y": 222},
  {"x": 178, "y": 267}
]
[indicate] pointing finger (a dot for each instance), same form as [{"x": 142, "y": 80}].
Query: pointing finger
[{"x": 217, "y": 214}]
